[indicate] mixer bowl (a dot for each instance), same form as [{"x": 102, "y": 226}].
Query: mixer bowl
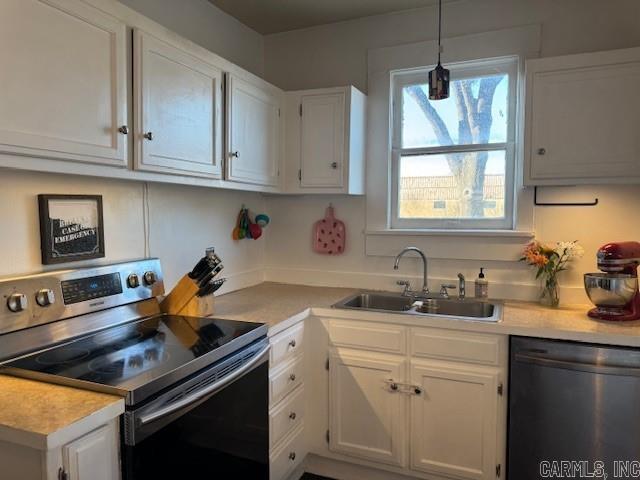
[{"x": 610, "y": 289}]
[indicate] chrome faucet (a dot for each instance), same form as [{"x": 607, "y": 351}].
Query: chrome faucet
[
  {"x": 462, "y": 286},
  {"x": 425, "y": 288}
]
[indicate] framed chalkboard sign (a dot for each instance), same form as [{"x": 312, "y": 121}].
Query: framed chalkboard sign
[{"x": 71, "y": 228}]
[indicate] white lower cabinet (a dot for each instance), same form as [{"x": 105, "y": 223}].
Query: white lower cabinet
[
  {"x": 416, "y": 413},
  {"x": 93, "y": 457},
  {"x": 453, "y": 424},
  {"x": 367, "y": 414},
  {"x": 287, "y": 404}
]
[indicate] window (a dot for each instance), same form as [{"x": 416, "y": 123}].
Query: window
[{"x": 453, "y": 160}]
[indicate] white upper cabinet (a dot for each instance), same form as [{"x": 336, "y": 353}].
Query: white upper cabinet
[
  {"x": 582, "y": 122},
  {"x": 326, "y": 141},
  {"x": 178, "y": 100},
  {"x": 253, "y": 132},
  {"x": 64, "y": 84}
]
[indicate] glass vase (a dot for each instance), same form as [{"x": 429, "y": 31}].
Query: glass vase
[{"x": 550, "y": 296}]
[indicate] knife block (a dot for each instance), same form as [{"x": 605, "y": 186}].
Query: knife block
[
  {"x": 182, "y": 300},
  {"x": 199, "y": 307}
]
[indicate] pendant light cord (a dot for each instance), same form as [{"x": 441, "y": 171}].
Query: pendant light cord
[{"x": 439, "y": 28}]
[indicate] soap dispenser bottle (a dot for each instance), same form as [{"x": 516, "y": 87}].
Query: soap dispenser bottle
[{"x": 482, "y": 285}]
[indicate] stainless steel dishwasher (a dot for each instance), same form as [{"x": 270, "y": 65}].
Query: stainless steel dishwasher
[{"x": 572, "y": 402}]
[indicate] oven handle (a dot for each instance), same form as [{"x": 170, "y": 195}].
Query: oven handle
[{"x": 209, "y": 390}]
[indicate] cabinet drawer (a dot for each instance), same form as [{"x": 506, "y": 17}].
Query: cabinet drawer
[
  {"x": 379, "y": 337},
  {"x": 283, "y": 380},
  {"x": 286, "y": 416},
  {"x": 289, "y": 456},
  {"x": 286, "y": 344},
  {"x": 451, "y": 345}
]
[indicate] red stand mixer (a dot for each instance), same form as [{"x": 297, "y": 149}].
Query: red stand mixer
[{"x": 615, "y": 292}]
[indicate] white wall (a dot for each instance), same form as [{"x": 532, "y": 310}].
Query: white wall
[
  {"x": 205, "y": 24},
  {"x": 336, "y": 54},
  {"x": 183, "y": 221}
]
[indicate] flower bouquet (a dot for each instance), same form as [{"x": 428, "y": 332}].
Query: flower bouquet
[{"x": 550, "y": 261}]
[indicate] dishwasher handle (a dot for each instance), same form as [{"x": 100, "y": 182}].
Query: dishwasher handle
[
  {"x": 551, "y": 362},
  {"x": 204, "y": 392}
]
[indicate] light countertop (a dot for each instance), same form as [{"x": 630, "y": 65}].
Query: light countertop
[
  {"x": 39, "y": 414},
  {"x": 43, "y": 415},
  {"x": 281, "y": 305}
]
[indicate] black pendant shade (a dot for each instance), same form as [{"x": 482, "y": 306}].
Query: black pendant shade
[
  {"x": 439, "y": 77},
  {"x": 439, "y": 83}
]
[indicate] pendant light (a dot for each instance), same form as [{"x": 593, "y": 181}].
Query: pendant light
[{"x": 439, "y": 77}]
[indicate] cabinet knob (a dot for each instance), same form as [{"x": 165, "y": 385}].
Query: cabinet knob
[
  {"x": 123, "y": 130},
  {"x": 292, "y": 415},
  {"x": 394, "y": 387},
  {"x": 417, "y": 390},
  {"x": 148, "y": 135},
  {"x": 292, "y": 344},
  {"x": 292, "y": 456},
  {"x": 234, "y": 154},
  {"x": 292, "y": 377},
  {"x": 334, "y": 165},
  {"x": 542, "y": 151}
]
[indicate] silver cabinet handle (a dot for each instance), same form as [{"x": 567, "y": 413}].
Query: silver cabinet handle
[
  {"x": 292, "y": 415},
  {"x": 292, "y": 456},
  {"x": 292, "y": 377},
  {"x": 292, "y": 344},
  {"x": 334, "y": 165},
  {"x": 123, "y": 130},
  {"x": 148, "y": 135},
  {"x": 542, "y": 151},
  {"x": 234, "y": 154}
]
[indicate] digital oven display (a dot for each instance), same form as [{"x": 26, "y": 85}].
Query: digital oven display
[{"x": 75, "y": 291}]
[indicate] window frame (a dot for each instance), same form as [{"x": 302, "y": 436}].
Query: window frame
[{"x": 460, "y": 70}]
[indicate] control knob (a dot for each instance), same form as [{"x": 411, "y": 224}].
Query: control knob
[
  {"x": 150, "y": 278},
  {"x": 17, "y": 302},
  {"x": 133, "y": 281},
  {"x": 45, "y": 297}
]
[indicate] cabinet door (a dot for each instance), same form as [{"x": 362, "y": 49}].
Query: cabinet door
[
  {"x": 94, "y": 456},
  {"x": 453, "y": 420},
  {"x": 253, "y": 133},
  {"x": 63, "y": 77},
  {"x": 366, "y": 416},
  {"x": 179, "y": 110},
  {"x": 583, "y": 118},
  {"x": 322, "y": 140}
]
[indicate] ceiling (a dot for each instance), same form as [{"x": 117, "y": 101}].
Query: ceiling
[{"x": 273, "y": 16}]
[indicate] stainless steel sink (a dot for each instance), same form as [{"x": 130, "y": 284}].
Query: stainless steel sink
[
  {"x": 377, "y": 301},
  {"x": 465, "y": 309},
  {"x": 457, "y": 308}
]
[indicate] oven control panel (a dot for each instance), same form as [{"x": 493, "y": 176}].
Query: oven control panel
[
  {"x": 47, "y": 297},
  {"x": 90, "y": 288}
]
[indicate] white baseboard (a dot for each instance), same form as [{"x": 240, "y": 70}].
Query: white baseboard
[{"x": 339, "y": 470}]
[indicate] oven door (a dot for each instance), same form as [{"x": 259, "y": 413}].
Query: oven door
[{"x": 214, "y": 425}]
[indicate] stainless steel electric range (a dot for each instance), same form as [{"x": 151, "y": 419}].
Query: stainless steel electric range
[{"x": 195, "y": 389}]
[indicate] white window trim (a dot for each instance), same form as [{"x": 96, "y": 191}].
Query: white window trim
[
  {"x": 402, "y": 78},
  {"x": 520, "y": 42}
]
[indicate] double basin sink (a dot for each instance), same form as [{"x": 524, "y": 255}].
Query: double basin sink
[{"x": 464, "y": 309}]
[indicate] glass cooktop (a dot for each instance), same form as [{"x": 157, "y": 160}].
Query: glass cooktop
[{"x": 137, "y": 354}]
